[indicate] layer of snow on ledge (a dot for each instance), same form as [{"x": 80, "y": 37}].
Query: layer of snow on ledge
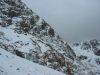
[{"x": 12, "y": 65}]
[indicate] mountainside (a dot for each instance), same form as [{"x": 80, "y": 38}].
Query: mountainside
[
  {"x": 13, "y": 65},
  {"x": 25, "y": 34},
  {"x": 88, "y": 52}
]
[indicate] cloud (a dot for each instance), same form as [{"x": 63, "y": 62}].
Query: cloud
[{"x": 72, "y": 19}]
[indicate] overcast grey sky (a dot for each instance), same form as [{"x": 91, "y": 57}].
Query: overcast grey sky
[{"x": 74, "y": 20}]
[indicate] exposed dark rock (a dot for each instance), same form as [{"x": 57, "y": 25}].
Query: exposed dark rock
[
  {"x": 86, "y": 46},
  {"x": 9, "y": 21},
  {"x": 70, "y": 52},
  {"x": 18, "y": 69},
  {"x": 94, "y": 43},
  {"x": 51, "y": 32},
  {"x": 54, "y": 58},
  {"x": 20, "y": 54},
  {"x": 82, "y": 57},
  {"x": 10, "y": 2},
  {"x": 98, "y": 61},
  {"x": 96, "y": 51},
  {"x": 76, "y": 44}
]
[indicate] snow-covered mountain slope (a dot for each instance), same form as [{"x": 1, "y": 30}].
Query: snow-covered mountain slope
[
  {"x": 25, "y": 34},
  {"x": 13, "y": 65},
  {"x": 88, "y": 52}
]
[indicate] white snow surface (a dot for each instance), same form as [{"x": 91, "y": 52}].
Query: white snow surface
[
  {"x": 13, "y": 65},
  {"x": 26, "y": 43},
  {"x": 15, "y": 37},
  {"x": 90, "y": 62}
]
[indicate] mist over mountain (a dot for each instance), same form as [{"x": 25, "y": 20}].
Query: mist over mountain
[{"x": 73, "y": 20}]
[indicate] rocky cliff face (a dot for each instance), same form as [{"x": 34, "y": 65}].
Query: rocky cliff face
[{"x": 25, "y": 34}]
